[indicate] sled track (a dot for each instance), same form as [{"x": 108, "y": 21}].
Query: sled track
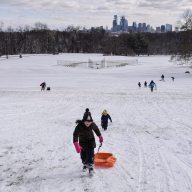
[{"x": 147, "y": 142}]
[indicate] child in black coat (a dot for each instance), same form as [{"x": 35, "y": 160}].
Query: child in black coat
[
  {"x": 104, "y": 120},
  {"x": 84, "y": 140}
]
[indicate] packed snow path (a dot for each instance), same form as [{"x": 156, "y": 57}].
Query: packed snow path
[{"x": 151, "y": 133}]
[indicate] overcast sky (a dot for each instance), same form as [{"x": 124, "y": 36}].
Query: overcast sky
[{"x": 61, "y": 13}]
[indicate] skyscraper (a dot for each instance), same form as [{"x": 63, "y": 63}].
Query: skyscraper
[
  {"x": 162, "y": 28},
  {"x": 115, "y": 24},
  {"x": 168, "y": 27},
  {"x": 158, "y": 29},
  {"x": 140, "y": 27},
  {"x": 144, "y": 27},
  {"x": 148, "y": 28},
  {"x": 123, "y": 24},
  {"x": 134, "y": 27}
]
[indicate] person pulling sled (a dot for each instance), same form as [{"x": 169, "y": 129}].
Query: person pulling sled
[
  {"x": 43, "y": 86},
  {"x": 84, "y": 140}
]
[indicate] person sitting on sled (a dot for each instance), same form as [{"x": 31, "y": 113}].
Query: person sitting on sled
[
  {"x": 84, "y": 140},
  {"x": 104, "y": 119}
]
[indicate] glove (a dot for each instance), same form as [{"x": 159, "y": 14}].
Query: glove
[
  {"x": 77, "y": 147},
  {"x": 100, "y": 139}
]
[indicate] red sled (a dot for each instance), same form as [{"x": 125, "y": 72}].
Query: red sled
[{"x": 104, "y": 159}]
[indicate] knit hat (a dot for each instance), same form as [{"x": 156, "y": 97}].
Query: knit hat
[
  {"x": 87, "y": 117},
  {"x": 87, "y": 110}
]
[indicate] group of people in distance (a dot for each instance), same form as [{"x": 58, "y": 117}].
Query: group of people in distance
[
  {"x": 83, "y": 137},
  {"x": 163, "y": 78},
  {"x": 152, "y": 84}
]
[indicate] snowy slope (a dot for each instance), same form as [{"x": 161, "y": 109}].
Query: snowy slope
[{"x": 151, "y": 133}]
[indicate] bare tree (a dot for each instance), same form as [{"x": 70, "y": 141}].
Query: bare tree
[
  {"x": 41, "y": 26},
  {"x": 10, "y": 29},
  {"x": 27, "y": 28},
  {"x": 187, "y": 17},
  {"x": 183, "y": 52}
]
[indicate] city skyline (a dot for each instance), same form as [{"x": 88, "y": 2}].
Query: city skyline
[
  {"x": 121, "y": 24},
  {"x": 60, "y": 14}
]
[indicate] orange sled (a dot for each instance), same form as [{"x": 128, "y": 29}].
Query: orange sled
[{"x": 104, "y": 159}]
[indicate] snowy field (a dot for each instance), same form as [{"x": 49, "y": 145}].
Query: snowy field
[{"x": 151, "y": 133}]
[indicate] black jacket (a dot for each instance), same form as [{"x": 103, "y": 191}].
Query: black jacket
[
  {"x": 85, "y": 135},
  {"x": 104, "y": 120}
]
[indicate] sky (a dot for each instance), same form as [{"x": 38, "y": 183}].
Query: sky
[{"x": 58, "y": 14}]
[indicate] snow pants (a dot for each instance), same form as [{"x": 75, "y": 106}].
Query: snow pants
[
  {"x": 104, "y": 126},
  {"x": 87, "y": 155}
]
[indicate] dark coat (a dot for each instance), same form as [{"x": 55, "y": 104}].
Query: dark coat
[
  {"x": 104, "y": 120},
  {"x": 85, "y": 135},
  {"x": 152, "y": 84},
  {"x": 43, "y": 85}
]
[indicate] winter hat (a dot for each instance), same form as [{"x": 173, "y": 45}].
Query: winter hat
[
  {"x": 87, "y": 110},
  {"x": 87, "y": 117}
]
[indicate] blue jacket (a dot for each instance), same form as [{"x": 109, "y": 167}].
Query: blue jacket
[{"x": 152, "y": 84}]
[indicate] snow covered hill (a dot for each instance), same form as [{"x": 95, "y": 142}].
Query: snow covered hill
[{"x": 151, "y": 133}]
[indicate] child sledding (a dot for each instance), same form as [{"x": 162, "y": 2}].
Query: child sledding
[{"x": 84, "y": 140}]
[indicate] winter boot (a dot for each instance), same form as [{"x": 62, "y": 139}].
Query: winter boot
[
  {"x": 90, "y": 167},
  {"x": 84, "y": 168}
]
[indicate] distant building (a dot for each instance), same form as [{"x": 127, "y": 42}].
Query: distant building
[
  {"x": 162, "y": 28},
  {"x": 144, "y": 27},
  {"x": 148, "y": 29},
  {"x": 123, "y": 24},
  {"x": 141, "y": 27},
  {"x": 134, "y": 27},
  {"x": 168, "y": 27},
  {"x": 115, "y": 24},
  {"x": 158, "y": 29}
]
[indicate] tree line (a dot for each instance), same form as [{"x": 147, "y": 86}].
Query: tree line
[
  {"x": 95, "y": 40},
  {"x": 41, "y": 40}
]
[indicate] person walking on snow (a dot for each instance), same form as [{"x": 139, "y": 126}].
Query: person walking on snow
[
  {"x": 139, "y": 84},
  {"x": 145, "y": 83},
  {"x": 43, "y": 86},
  {"x": 84, "y": 140},
  {"x": 104, "y": 119},
  {"x": 152, "y": 85},
  {"x": 162, "y": 77}
]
